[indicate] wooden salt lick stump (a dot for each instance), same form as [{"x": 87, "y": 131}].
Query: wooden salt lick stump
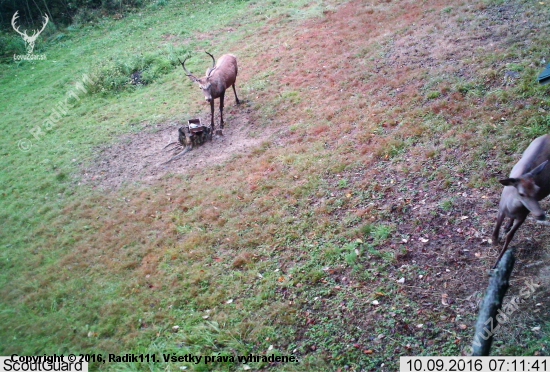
[{"x": 194, "y": 133}]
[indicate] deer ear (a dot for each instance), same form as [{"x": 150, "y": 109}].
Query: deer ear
[
  {"x": 509, "y": 181},
  {"x": 538, "y": 169}
]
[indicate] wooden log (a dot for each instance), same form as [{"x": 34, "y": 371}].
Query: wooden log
[{"x": 487, "y": 319}]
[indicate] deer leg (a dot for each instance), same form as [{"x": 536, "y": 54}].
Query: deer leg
[
  {"x": 509, "y": 238},
  {"x": 212, "y": 115},
  {"x": 221, "y": 109},
  {"x": 500, "y": 218},
  {"x": 235, "y": 91},
  {"x": 508, "y": 226}
]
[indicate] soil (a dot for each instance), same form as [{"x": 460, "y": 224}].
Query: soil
[{"x": 138, "y": 158}]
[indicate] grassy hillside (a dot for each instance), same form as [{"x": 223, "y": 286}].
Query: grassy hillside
[{"x": 351, "y": 229}]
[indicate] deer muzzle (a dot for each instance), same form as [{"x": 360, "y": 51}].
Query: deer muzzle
[{"x": 533, "y": 206}]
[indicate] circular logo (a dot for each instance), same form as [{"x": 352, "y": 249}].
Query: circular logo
[{"x": 24, "y": 145}]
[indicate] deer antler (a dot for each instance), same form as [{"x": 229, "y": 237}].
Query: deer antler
[
  {"x": 46, "y": 19},
  {"x": 213, "y": 59},
  {"x": 191, "y": 76},
  {"x": 35, "y": 32},
  {"x": 13, "y": 19},
  {"x": 213, "y": 63}
]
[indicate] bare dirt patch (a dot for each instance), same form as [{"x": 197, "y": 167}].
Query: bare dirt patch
[{"x": 138, "y": 158}]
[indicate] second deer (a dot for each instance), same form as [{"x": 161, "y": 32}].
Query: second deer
[{"x": 529, "y": 182}]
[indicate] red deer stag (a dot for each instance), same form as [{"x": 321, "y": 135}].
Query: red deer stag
[
  {"x": 528, "y": 183},
  {"x": 219, "y": 77}
]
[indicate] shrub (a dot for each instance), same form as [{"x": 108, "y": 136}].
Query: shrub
[
  {"x": 10, "y": 44},
  {"x": 116, "y": 75}
]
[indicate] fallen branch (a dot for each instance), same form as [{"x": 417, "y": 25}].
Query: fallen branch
[
  {"x": 487, "y": 320},
  {"x": 187, "y": 149},
  {"x": 534, "y": 264},
  {"x": 545, "y": 223},
  {"x": 171, "y": 143}
]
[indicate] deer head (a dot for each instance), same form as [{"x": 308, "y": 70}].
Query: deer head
[
  {"x": 29, "y": 40},
  {"x": 204, "y": 83},
  {"x": 527, "y": 190}
]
